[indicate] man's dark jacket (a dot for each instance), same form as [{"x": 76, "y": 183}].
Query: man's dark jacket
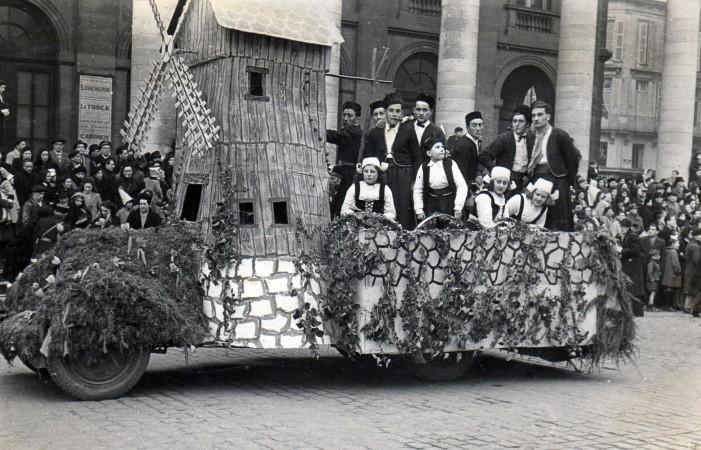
[{"x": 502, "y": 151}]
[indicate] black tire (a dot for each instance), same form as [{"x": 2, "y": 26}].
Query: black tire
[
  {"x": 441, "y": 369},
  {"x": 98, "y": 375}
]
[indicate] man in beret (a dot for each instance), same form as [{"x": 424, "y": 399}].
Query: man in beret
[
  {"x": 453, "y": 140},
  {"x": 144, "y": 216},
  {"x": 513, "y": 148},
  {"x": 396, "y": 144},
  {"x": 423, "y": 128},
  {"x": 347, "y": 141},
  {"x": 467, "y": 148},
  {"x": 555, "y": 158}
]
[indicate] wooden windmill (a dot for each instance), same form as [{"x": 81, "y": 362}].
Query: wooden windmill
[{"x": 201, "y": 129}]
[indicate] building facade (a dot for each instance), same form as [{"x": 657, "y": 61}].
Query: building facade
[
  {"x": 61, "y": 57},
  {"x": 633, "y": 78}
]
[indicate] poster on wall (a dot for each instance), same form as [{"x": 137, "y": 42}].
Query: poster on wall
[{"x": 95, "y": 102}]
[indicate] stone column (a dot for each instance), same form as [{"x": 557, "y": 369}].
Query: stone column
[
  {"x": 576, "y": 62},
  {"x": 676, "y": 122},
  {"x": 146, "y": 43},
  {"x": 335, "y": 8},
  {"x": 457, "y": 62}
]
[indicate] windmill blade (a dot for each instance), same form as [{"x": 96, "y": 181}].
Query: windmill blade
[
  {"x": 201, "y": 129},
  {"x": 139, "y": 120},
  {"x": 159, "y": 21}
]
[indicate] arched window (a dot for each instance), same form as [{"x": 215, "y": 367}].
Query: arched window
[
  {"x": 417, "y": 74},
  {"x": 28, "y": 52}
]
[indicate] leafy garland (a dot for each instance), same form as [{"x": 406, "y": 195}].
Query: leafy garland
[{"x": 466, "y": 312}]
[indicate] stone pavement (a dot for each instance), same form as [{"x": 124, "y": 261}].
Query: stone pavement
[{"x": 285, "y": 399}]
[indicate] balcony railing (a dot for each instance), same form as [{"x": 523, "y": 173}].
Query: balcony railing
[
  {"x": 629, "y": 123},
  {"x": 531, "y": 20},
  {"x": 425, "y": 7}
]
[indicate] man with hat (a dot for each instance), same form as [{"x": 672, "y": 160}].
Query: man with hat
[
  {"x": 424, "y": 130},
  {"x": 513, "y": 148},
  {"x": 144, "y": 216},
  {"x": 82, "y": 149},
  {"x": 632, "y": 261},
  {"x": 347, "y": 141},
  {"x": 378, "y": 113},
  {"x": 555, "y": 158},
  {"x": 467, "y": 148},
  {"x": 396, "y": 144},
  {"x": 453, "y": 140},
  {"x": 60, "y": 158}
]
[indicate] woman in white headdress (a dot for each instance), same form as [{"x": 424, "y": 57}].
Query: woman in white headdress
[
  {"x": 369, "y": 195},
  {"x": 490, "y": 203},
  {"x": 531, "y": 207}
]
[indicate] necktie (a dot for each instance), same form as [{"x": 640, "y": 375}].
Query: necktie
[
  {"x": 537, "y": 153},
  {"x": 422, "y": 125},
  {"x": 523, "y": 136}
]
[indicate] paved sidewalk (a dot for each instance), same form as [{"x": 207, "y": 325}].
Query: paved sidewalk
[{"x": 286, "y": 399}]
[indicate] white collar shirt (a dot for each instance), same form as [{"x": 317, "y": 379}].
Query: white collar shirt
[
  {"x": 420, "y": 129},
  {"x": 521, "y": 158},
  {"x": 390, "y": 136}
]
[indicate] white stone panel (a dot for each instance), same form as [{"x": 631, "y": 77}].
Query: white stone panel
[
  {"x": 287, "y": 303},
  {"x": 252, "y": 288},
  {"x": 286, "y": 266},
  {"x": 260, "y": 308},
  {"x": 278, "y": 284},
  {"x": 264, "y": 267},
  {"x": 279, "y": 323},
  {"x": 292, "y": 341},
  {"x": 215, "y": 289},
  {"x": 268, "y": 340},
  {"x": 246, "y": 330}
]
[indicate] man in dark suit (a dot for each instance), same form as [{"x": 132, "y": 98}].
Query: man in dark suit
[
  {"x": 453, "y": 140},
  {"x": 423, "y": 128},
  {"x": 513, "y": 148},
  {"x": 347, "y": 141},
  {"x": 144, "y": 216},
  {"x": 632, "y": 262},
  {"x": 4, "y": 112},
  {"x": 396, "y": 144},
  {"x": 60, "y": 158},
  {"x": 467, "y": 149},
  {"x": 555, "y": 158}
]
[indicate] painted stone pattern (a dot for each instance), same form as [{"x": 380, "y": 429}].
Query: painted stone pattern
[
  {"x": 266, "y": 292},
  {"x": 497, "y": 251}
]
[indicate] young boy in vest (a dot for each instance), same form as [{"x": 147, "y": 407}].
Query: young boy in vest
[{"x": 439, "y": 186}]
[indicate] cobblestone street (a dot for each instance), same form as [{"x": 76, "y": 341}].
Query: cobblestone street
[{"x": 277, "y": 399}]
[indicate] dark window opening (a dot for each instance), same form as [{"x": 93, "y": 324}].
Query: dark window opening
[
  {"x": 191, "y": 204},
  {"x": 246, "y": 215},
  {"x": 280, "y": 213},
  {"x": 256, "y": 83}
]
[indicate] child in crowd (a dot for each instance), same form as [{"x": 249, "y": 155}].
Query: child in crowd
[
  {"x": 653, "y": 275},
  {"x": 439, "y": 187},
  {"x": 369, "y": 195}
]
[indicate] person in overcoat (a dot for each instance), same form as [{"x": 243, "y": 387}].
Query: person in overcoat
[
  {"x": 671, "y": 280},
  {"x": 692, "y": 278},
  {"x": 632, "y": 261}
]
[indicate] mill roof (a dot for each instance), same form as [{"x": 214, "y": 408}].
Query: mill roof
[{"x": 306, "y": 21}]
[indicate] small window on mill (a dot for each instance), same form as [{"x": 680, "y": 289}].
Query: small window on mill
[
  {"x": 280, "y": 213},
  {"x": 256, "y": 83},
  {"x": 191, "y": 204},
  {"x": 246, "y": 214}
]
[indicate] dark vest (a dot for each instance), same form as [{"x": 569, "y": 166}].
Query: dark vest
[
  {"x": 448, "y": 167},
  {"x": 378, "y": 207},
  {"x": 520, "y": 210},
  {"x": 495, "y": 208}
]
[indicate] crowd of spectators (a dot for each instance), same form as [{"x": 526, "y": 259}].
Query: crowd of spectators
[
  {"x": 657, "y": 225},
  {"x": 48, "y": 192}
]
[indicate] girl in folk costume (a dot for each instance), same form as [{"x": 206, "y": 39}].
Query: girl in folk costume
[
  {"x": 490, "y": 204},
  {"x": 369, "y": 195},
  {"x": 531, "y": 207},
  {"x": 439, "y": 186}
]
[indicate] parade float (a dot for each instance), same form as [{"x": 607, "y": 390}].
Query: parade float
[{"x": 249, "y": 258}]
